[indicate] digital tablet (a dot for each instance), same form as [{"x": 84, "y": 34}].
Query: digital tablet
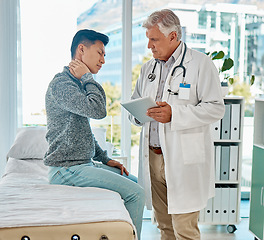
[{"x": 138, "y": 108}]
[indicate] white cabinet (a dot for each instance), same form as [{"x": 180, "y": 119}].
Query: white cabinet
[{"x": 224, "y": 208}]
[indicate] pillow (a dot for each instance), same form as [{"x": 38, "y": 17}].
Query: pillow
[
  {"x": 30, "y": 143},
  {"x": 109, "y": 148},
  {"x": 26, "y": 167},
  {"x": 100, "y": 136}
]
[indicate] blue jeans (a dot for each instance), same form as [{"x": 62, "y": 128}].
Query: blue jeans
[{"x": 102, "y": 176}]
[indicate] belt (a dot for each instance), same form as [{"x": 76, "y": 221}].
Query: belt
[{"x": 156, "y": 150}]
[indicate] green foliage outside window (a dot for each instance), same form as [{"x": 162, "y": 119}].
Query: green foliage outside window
[
  {"x": 113, "y": 97},
  {"x": 135, "y": 131},
  {"x": 243, "y": 89}
]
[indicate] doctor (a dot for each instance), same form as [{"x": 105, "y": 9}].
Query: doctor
[{"x": 176, "y": 165}]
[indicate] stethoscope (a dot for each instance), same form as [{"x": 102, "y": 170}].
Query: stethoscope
[{"x": 152, "y": 75}]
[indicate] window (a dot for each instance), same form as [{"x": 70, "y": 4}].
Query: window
[
  {"x": 213, "y": 19},
  {"x": 48, "y": 27},
  {"x": 46, "y": 41},
  {"x": 202, "y": 19}
]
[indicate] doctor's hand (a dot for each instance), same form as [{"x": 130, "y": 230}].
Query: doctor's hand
[
  {"x": 162, "y": 113},
  {"x": 113, "y": 163},
  {"x": 78, "y": 68}
]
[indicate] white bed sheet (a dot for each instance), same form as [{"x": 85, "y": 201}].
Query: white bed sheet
[{"x": 27, "y": 199}]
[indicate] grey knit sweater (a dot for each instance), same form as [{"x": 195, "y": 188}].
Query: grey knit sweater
[{"x": 70, "y": 103}]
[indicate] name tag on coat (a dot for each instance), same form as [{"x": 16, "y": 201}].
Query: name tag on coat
[{"x": 184, "y": 91}]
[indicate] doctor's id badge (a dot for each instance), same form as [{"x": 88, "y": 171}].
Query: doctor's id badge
[{"x": 184, "y": 91}]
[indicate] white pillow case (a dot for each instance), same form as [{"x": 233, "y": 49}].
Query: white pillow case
[
  {"x": 100, "y": 136},
  {"x": 30, "y": 143}
]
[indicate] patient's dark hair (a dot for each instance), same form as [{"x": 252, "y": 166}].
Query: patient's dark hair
[{"x": 87, "y": 37}]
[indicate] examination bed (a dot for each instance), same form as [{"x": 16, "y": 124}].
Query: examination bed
[{"x": 32, "y": 209}]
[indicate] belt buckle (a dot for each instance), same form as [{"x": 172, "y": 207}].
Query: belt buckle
[
  {"x": 151, "y": 147},
  {"x": 156, "y": 150}
]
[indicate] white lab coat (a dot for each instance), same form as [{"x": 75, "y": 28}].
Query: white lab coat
[{"x": 186, "y": 141}]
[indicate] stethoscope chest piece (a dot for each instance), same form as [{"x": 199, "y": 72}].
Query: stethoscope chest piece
[{"x": 151, "y": 77}]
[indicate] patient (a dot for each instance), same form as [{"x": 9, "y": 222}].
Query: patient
[{"x": 72, "y": 98}]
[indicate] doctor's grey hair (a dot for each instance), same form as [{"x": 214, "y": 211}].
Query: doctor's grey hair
[{"x": 167, "y": 22}]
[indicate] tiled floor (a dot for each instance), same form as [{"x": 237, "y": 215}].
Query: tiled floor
[{"x": 208, "y": 232}]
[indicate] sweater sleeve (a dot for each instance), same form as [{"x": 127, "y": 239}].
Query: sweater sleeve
[
  {"x": 100, "y": 155},
  {"x": 86, "y": 99}
]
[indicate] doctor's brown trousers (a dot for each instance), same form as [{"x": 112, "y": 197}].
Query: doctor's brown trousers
[{"x": 172, "y": 226}]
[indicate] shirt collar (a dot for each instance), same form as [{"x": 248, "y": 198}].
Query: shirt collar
[{"x": 174, "y": 56}]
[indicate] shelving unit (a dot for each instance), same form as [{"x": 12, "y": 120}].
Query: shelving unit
[
  {"x": 224, "y": 208},
  {"x": 256, "y": 217}
]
